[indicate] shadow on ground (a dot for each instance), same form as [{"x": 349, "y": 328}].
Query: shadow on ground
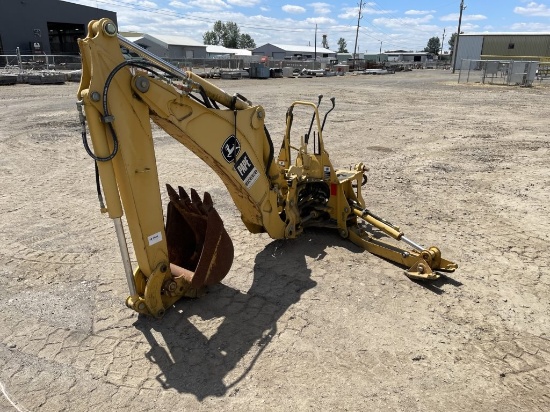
[{"x": 209, "y": 362}]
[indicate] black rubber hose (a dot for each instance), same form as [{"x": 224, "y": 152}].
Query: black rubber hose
[
  {"x": 98, "y": 187},
  {"x": 106, "y": 115},
  {"x": 271, "y": 151}
]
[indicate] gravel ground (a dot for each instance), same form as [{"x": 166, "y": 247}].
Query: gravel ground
[{"x": 309, "y": 324}]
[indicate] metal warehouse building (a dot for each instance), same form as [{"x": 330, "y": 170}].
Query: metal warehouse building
[
  {"x": 45, "y": 26},
  {"x": 291, "y": 52},
  {"x": 168, "y": 47},
  {"x": 504, "y": 46}
]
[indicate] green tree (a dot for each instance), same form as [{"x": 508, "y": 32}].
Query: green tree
[
  {"x": 216, "y": 35},
  {"x": 451, "y": 42},
  {"x": 342, "y": 45},
  {"x": 434, "y": 45},
  {"x": 246, "y": 42},
  {"x": 232, "y": 35},
  {"x": 227, "y": 35}
]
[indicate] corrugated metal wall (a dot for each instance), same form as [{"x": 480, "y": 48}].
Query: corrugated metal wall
[
  {"x": 524, "y": 47},
  {"x": 190, "y": 52},
  {"x": 469, "y": 48},
  {"x": 153, "y": 47},
  {"x": 268, "y": 49},
  {"x": 19, "y": 19}
]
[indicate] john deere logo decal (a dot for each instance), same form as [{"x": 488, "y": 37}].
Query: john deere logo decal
[{"x": 231, "y": 148}]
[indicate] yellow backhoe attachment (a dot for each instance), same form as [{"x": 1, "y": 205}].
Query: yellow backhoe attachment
[{"x": 281, "y": 196}]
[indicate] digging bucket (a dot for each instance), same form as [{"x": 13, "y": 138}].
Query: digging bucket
[{"x": 197, "y": 240}]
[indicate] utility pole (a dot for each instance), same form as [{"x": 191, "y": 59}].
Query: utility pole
[
  {"x": 315, "y": 60},
  {"x": 462, "y": 8},
  {"x": 442, "y": 41},
  {"x": 357, "y": 34},
  {"x": 380, "y": 54}
]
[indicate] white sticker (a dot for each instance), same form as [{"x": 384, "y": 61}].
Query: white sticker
[
  {"x": 251, "y": 178},
  {"x": 153, "y": 239}
]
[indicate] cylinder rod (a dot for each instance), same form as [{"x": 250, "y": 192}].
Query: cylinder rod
[
  {"x": 412, "y": 244},
  {"x": 147, "y": 55},
  {"x": 125, "y": 256}
]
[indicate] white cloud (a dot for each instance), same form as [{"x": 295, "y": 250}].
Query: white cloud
[
  {"x": 211, "y": 5},
  {"x": 465, "y": 17},
  {"x": 147, "y": 4},
  {"x": 288, "y": 31},
  {"x": 531, "y": 27},
  {"x": 293, "y": 9},
  {"x": 370, "y": 10},
  {"x": 353, "y": 12},
  {"x": 244, "y": 3},
  {"x": 320, "y": 8},
  {"x": 297, "y": 26},
  {"x": 320, "y": 20},
  {"x": 533, "y": 9},
  {"x": 349, "y": 12},
  {"x": 179, "y": 5},
  {"x": 406, "y": 33},
  {"x": 403, "y": 22},
  {"x": 419, "y": 12},
  {"x": 140, "y": 3},
  {"x": 469, "y": 27},
  {"x": 124, "y": 4}
]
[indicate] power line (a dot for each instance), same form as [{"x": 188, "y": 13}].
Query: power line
[
  {"x": 115, "y": 3},
  {"x": 378, "y": 39},
  {"x": 195, "y": 18},
  {"x": 399, "y": 19},
  {"x": 269, "y": 28},
  {"x": 385, "y": 34}
]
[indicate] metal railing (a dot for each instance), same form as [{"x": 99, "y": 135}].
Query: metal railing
[{"x": 24, "y": 62}]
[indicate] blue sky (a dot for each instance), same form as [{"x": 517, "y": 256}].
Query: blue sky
[{"x": 390, "y": 24}]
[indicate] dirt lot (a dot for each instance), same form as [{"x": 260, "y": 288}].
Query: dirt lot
[{"x": 310, "y": 324}]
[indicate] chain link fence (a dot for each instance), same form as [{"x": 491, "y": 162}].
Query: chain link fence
[
  {"x": 23, "y": 62},
  {"x": 505, "y": 72}
]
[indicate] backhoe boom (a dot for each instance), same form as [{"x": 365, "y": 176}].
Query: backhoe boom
[{"x": 278, "y": 195}]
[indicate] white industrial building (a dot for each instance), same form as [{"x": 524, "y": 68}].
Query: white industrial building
[{"x": 221, "y": 51}]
